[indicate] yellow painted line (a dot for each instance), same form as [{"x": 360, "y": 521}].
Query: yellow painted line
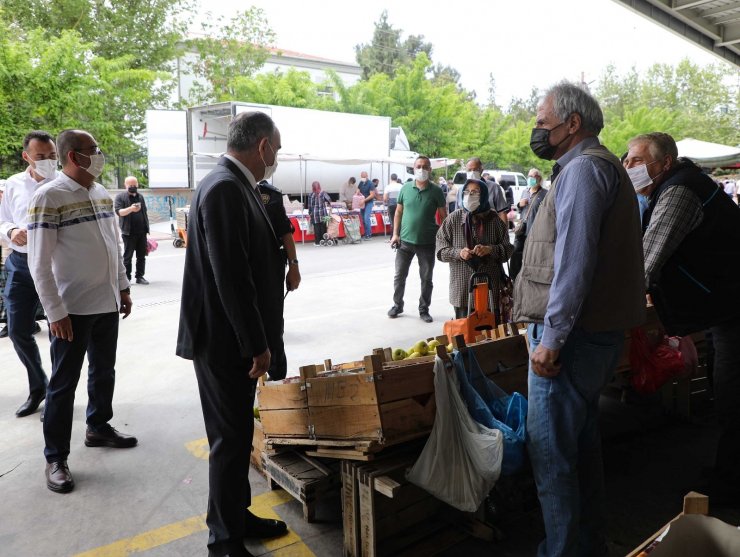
[
  {"x": 289, "y": 545},
  {"x": 198, "y": 448}
]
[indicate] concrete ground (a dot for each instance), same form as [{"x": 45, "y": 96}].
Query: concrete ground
[
  {"x": 160, "y": 487},
  {"x": 150, "y": 500}
]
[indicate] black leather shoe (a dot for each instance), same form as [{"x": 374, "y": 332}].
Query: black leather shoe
[
  {"x": 4, "y": 332},
  {"x": 31, "y": 405},
  {"x": 141, "y": 280},
  {"x": 58, "y": 477},
  {"x": 425, "y": 317},
  {"x": 36, "y": 328},
  {"x": 263, "y": 527},
  {"x": 394, "y": 312},
  {"x": 109, "y": 437}
]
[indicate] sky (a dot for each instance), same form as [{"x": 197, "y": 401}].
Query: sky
[{"x": 523, "y": 43}]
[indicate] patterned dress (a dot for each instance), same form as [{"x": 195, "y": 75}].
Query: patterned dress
[{"x": 451, "y": 240}]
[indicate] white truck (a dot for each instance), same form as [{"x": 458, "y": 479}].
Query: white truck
[{"x": 183, "y": 146}]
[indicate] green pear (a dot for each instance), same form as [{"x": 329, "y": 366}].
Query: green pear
[
  {"x": 399, "y": 354},
  {"x": 421, "y": 347}
]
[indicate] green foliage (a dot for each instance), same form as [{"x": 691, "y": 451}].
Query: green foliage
[
  {"x": 145, "y": 31},
  {"x": 58, "y": 83},
  {"x": 386, "y": 53},
  {"x": 228, "y": 53}
]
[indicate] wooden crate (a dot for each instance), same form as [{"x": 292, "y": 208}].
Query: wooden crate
[
  {"x": 384, "y": 515},
  {"x": 258, "y": 446},
  {"x": 284, "y": 408},
  {"x": 309, "y": 480},
  {"x": 384, "y": 404}
]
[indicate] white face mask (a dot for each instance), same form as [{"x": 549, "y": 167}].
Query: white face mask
[
  {"x": 269, "y": 170},
  {"x": 97, "y": 162},
  {"x": 46, "y": 168},
  {"x": 473, "y": 175},
  {"x": 639, "y": 176},
  {"x": 421, "y": 175},
  {"x": 471, "y": 202}
]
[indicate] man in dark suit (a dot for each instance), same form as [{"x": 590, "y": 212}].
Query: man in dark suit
[{"x": 231, "y": 319}]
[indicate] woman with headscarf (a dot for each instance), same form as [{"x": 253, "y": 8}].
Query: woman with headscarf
[
  {"x": 317, "y": 201},
  {"x": 472, "y": 239}
]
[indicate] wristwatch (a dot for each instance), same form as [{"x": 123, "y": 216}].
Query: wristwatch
[
  {"x": 293, "y": 261},
  {"x": 127, "y": 290}
]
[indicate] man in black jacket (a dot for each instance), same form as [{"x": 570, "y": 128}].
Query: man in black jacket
[
  {"x": 231, "y": 319},
  {"x": 691, "y": 241},
  {"x": 134, "y": 221}
]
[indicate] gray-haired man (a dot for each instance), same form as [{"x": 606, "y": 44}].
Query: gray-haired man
[{"x": 581, "y": 285}]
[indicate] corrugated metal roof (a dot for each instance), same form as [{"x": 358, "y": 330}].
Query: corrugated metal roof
[{"x": 711, "y": 24}]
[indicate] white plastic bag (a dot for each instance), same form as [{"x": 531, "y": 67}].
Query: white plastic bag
[{"x": 462, "y": 459}]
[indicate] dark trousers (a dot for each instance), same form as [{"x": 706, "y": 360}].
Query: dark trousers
[
  {"x": 319, "y": 229},
  {"x": 460, "y": 312},
  {"x": 392, "y": 215},
  {"x": 134, "y": 243},
  {"x": 425, "y": 257},
  {"x": 515, "y": 263},
  {"x": 97, "y": 336},
  {"x": 22, "y": 304},
  {"x": 726, "y": 378},
  {"x": 227, "y": 398}
]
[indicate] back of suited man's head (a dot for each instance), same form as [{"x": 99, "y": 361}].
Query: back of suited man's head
[{"x": 247, "y": 129}]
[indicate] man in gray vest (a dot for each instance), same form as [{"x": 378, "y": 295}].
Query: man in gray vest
[
  {"x": 581, "y": 286},
  {"x": 692, "y": 271}
]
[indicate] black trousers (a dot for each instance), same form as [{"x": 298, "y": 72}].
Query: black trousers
[
  {"x": 726, "y": 383},
  {"x": 134, "y": 243},
  {"x": 319, "y": 229},
  {"x": 392, "y": 215},
  {"x": 227, "y": 398},
  {"x": 515, "y": 263},
  {"x": 94, "y": 335}
]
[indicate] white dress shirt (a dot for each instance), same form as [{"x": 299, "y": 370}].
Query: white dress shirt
[
  {"x": 73, "y": 250},
  {"x": 19, "y": 190}
]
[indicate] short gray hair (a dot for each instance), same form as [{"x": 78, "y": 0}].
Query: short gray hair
[
  {"x": 536, "y": 171},
  {"x": 247, "y": 129},
  {"x": 568, "y": 99},
  {"x": 659, "y": 144}
]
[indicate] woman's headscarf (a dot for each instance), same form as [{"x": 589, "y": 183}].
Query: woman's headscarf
[
  {"x": 316, "y": 187},
  {"x": 485, "y": 204}
]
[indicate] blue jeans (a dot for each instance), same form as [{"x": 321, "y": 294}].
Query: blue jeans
[
  {"x": 97, "y": 336},
  {"x": 22, "y": 303},
  {"x": 366, "y": 212},
  {"x": 564, "y": 442}
]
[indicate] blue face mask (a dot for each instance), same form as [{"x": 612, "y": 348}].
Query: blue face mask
[{"x": 531, "y": 182}]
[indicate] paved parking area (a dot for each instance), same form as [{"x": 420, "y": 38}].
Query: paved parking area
[{"x": 150, "y": 499}]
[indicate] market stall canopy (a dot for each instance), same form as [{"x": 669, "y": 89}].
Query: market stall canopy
[{"x": 708, "y": 154}]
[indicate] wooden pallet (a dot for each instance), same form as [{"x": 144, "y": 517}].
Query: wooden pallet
[
  {"x": 384, "y": 515},
  {"x": 307, "y": 479}
]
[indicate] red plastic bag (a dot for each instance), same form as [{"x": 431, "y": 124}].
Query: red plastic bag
[{"x": 654, "y": 363}]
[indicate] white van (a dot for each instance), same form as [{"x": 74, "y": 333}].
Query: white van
[{"x": 516, "y": 180}]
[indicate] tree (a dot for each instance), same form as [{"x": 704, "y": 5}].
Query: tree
[
  {"x": 229, "y": 52},
  {"x": 292, "y": 88},
  {"x": 58, "y": 83},
  {"x": 386, "y": 53},
  {"x": 146, "y": 31}
]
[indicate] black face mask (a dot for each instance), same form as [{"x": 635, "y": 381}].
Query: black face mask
[
  {"x": 539, "y": 142},
  {"x": 133, "y": 189}
]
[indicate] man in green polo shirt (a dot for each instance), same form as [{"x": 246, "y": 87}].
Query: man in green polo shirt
[{"x": 414, "y": 234}]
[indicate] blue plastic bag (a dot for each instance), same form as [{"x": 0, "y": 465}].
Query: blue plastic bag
[{"x": 490, "y": 406}]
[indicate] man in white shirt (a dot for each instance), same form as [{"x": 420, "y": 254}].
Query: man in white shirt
[
  {"x": 21, "y": 299},
  {"x": 390, "y": 197},
  {"x": 76, "y": 263}
]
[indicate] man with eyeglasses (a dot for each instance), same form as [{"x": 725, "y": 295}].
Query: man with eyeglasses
[
  {"x": 76, "y": 264},
  {"x": 21, "y": 299},
  {"x": 415, "y": 234}
]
